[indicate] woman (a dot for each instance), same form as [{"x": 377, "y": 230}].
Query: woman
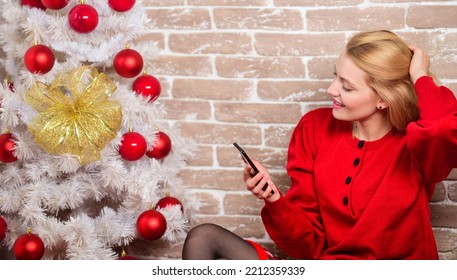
[{"x": 362, "y": 172}]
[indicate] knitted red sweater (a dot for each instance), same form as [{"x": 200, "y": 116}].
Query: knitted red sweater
[{"x": 352, "y": 199}]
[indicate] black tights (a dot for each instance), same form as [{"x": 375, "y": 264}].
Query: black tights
[{"x": 212, "y": 242}]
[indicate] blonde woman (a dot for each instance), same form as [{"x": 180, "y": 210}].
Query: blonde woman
[{"x": 362, "y": 171}]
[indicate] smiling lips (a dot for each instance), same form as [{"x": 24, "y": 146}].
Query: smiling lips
[{"x": 337, "y": 105}]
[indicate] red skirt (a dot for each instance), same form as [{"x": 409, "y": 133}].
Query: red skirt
[{"x": 263, "y": 253}]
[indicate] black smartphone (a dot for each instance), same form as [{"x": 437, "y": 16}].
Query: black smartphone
[{"x": 249, "y": 161}]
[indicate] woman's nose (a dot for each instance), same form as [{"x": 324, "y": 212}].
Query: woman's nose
[{"x": 333, "y": 89}]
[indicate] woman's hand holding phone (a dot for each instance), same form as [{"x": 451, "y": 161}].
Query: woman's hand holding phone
[
  {"x": 256, "y": 183},
  {"x": 258, "y": 179}
]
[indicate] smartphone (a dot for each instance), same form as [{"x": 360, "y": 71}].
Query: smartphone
[{"x": 248, "y": 160}]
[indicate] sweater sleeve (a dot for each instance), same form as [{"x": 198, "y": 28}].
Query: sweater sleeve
[
  {"x": 293, "y": 222},
  {"x": 432, "y": 140}
]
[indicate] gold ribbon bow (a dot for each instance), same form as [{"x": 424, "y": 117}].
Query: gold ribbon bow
[{"x": 75, "y": 116}]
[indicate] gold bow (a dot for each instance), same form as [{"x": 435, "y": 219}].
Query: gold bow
[{"x": 75, "y": 116}]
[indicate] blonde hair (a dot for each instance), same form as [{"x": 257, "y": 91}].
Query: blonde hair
[{"x": 386, "y": 58}]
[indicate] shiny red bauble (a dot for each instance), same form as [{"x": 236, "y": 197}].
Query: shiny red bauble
[
  {"x": 55, "y": 4},
  {"x": 39, "y": 59},
  {"x": 121, "y": 5},
  {"x": 28, "y": 246},
  {"x": 128, "y": 63},
  {"x": 151, "y": 225},
  {"x": 7, "y": 146},
  {"x": 169, "y": 201},
  {"x": 161, "y": 146},
  {"x": 133, "y": 146},
  {"x": 147, "y": 86},
  {"x": 33, "y": 4},
  {"x": 2, "y": 228},
  {"x": 83, "y": 18}
]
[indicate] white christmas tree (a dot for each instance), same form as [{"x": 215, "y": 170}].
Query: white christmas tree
[{"x": 85, "y": 155}]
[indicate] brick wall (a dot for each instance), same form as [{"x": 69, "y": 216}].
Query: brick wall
[{"x": 247, "y": 70}]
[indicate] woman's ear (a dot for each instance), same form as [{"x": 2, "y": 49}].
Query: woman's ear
[{"x": 382, "y": 104}]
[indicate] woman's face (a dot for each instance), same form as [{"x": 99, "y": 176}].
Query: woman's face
[{"x": 353, "y": 98}]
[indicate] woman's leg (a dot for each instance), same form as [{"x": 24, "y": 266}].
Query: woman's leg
[{"x": 211, "y": 242}]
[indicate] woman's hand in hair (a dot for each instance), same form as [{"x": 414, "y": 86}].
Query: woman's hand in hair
[{"x": 420, "y": 64}]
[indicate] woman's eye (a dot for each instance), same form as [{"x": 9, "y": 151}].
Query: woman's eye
[{"x": 346, "y": 89}]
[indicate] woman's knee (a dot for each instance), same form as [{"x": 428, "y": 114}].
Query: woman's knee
[{"x": 206, "y": 231}]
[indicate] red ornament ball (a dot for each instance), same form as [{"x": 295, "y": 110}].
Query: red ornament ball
[
  {"x": 39, "y": 59},
  {"x": 169, "y": 201},
  {"x": 2, "y": 228},
  {"x": 28, "y": 246},
  {"x": 161, "y": 147},
  {"x": 128, "y": 63},
  {"x": 121, "y": 5},
  {"x": 7, "y": 146},
  {"x": 147, "y": 86},
  {"x": 151, "y": 225},
  {"x": 33, "y": 4},
  {"x": 83, "y": 18},
  {"x": 133, "y": 146},
  {"x": 55, "y": 4}
]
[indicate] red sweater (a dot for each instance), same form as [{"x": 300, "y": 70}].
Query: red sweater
[{"x": 352, "y": 199}]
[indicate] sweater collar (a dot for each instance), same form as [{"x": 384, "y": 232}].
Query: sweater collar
[{"x": 367, "y": 145}]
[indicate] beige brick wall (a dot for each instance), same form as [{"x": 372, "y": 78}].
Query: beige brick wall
[{"x": 247, "y": 70}]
